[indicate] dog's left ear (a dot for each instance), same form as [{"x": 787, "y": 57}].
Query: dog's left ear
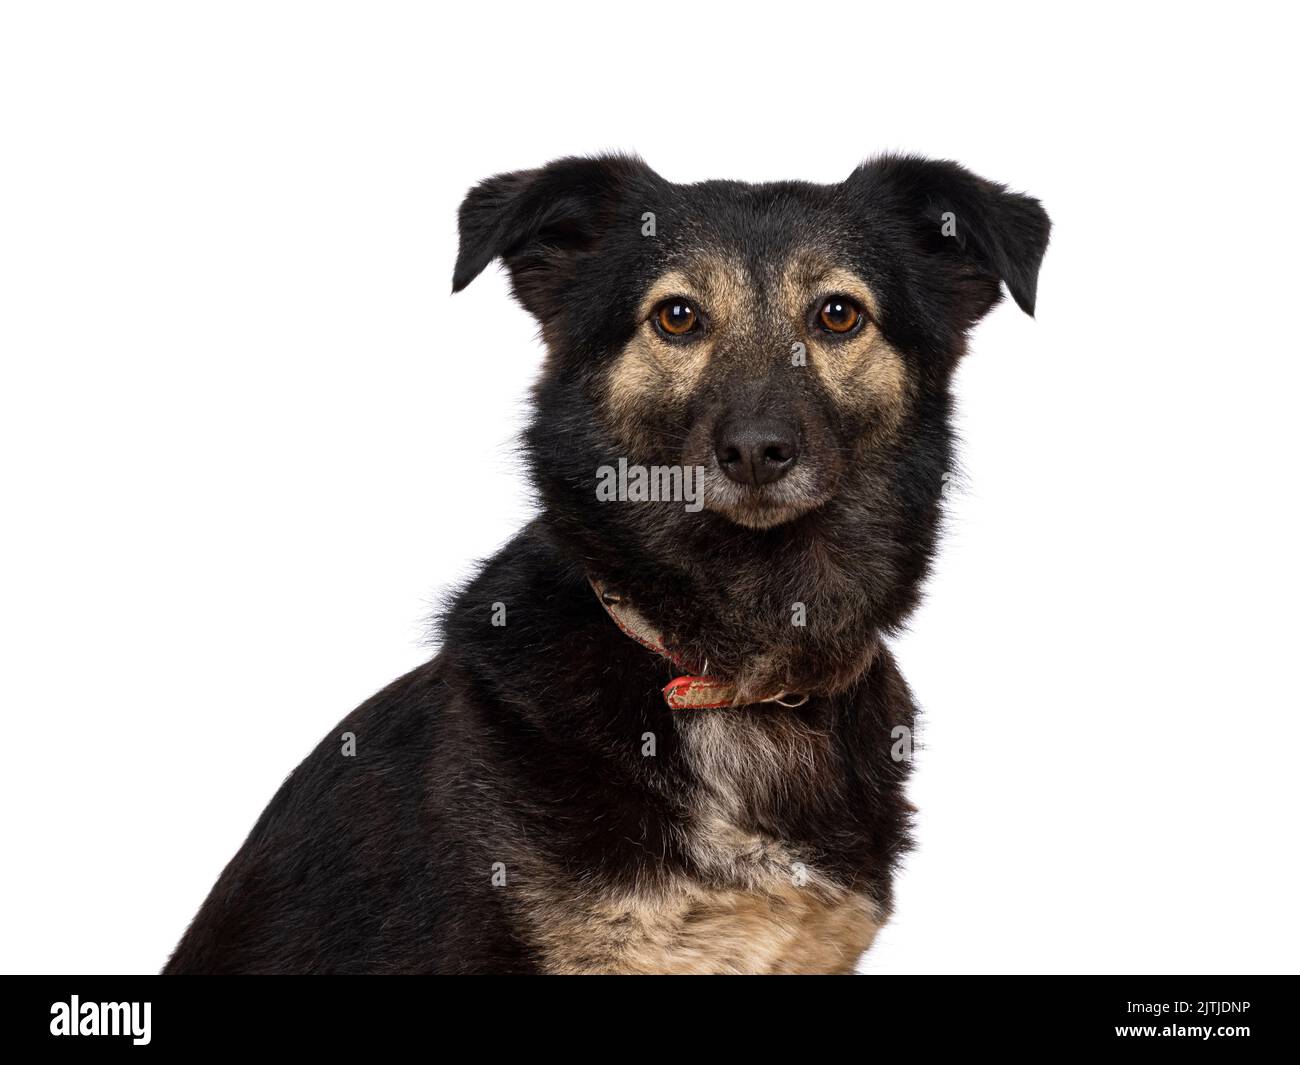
[
  {"x": 539, "y": 221},
  {"x": 997, "y": 234}
]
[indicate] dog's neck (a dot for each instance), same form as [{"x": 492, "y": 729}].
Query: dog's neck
[
  {"x": 692, "y": 691},
  {"x": 801, "y": 616}
]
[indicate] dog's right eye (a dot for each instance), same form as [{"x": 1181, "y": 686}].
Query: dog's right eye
[{"x": 676, "y": 318}]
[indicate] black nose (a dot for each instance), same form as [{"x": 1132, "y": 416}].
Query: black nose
[{"x": 757, "y": 450}]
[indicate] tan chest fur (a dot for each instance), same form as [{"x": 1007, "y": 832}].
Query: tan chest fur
[
  {"x": 754, "y": 908},
  {"x": 689, "y": 929}
]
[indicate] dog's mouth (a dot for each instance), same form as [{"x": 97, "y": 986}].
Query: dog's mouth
[{"x": 762, "y": 506}]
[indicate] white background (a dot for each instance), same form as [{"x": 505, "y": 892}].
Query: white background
[{"x": 249, "y": 437}]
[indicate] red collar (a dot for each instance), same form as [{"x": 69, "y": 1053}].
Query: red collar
[{"x": 687, "y": 692}]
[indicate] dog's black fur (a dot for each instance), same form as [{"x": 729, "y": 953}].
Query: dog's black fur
[{"x": 520, "y": 747}]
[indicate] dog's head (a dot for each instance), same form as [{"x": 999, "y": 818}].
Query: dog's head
[{"x": 794, "y": 342}]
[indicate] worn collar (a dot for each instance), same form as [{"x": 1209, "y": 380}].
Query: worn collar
[{"x": 690, "y": 691}]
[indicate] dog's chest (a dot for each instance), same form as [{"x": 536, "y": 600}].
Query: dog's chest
[
  {"x": 688, "y": 928},
  {"x": 752, "y": 904}
]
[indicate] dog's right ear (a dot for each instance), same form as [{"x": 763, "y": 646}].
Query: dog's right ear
[{"x": 539, "y": 221}]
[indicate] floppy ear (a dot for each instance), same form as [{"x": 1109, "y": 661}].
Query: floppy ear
[
  {"x": 538, "y": 221},
  {"x": 1002, "y": 235}
]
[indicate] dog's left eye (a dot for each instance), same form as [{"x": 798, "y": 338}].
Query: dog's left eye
[{"x": 839, "y": 314}]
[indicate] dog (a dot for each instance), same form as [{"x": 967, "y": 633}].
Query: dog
[{"x": 664, "y": 732}]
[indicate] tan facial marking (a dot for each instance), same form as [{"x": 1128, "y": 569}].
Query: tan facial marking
[
  {"x": 861, "y": 371},
  {"x": 651, "y": 367}
]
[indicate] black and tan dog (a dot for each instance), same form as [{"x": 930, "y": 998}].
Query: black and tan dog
[{"x": 662, "y": 735}]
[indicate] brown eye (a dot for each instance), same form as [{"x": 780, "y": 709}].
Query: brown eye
[
  {"x": 676, "y": 318},
  {"x": 839, "y": 314}
]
